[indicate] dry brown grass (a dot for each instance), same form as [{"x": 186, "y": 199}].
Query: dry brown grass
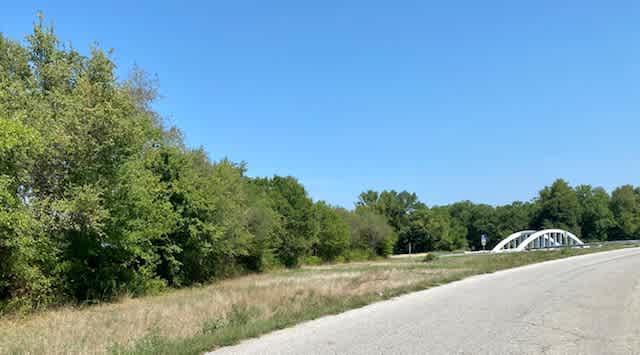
[
  {"x": 182, "y": 313},
  {"x": 187, "y": 313}
]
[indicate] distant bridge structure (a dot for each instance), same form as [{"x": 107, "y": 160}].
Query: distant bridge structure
[{"x": 531, "y": 239}]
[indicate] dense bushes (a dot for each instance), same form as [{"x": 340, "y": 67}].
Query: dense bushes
[
  {"x": 98, "y": 198},
  {"x": 370, "y": 231}
]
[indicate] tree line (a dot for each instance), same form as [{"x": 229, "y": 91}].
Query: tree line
[
  {"x": 589, "y": 212},
  {"x": 99, "y": 197}
]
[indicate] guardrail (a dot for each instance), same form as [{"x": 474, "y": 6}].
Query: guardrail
[
  {"x": 614, "y": 242},
  {"x": 591, "y": 244},
  {"x": 585, "y": 245}
]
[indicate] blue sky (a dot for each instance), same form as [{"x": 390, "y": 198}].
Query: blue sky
[{"x": 481, "y": 100}]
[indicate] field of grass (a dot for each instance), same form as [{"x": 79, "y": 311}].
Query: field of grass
[{"x": 195, "y": 320}]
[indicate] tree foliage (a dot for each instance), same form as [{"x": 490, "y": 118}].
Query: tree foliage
[
  {"x": 595, "y": 217},
  {"x": 558, "y": 207},
  {"x": 625, "y": 206},
  {"x": 334, "y": 236},
  {"x": 370, "y": 232}
]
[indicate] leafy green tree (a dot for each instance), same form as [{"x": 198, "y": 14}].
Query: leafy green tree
[
  {"x": 143, "y": 237},
  {"x": 596, "y": 219},
  {"x": 625, "y": 206},
  {"x": 417, "y": 237},
  {"x": 511, "y": 218},
  {"x": 265, "y": 225},
  {"x": 27, "y": 259},
  {"x": 370, "y": 231},
  {"x": 334, "y": 235},
  {"x": 212, "y": 229},
  {"x": 434, "y": 229},
  {"x": 299, "y": 226},
  {"x": 477, "y": 219},
  {"x": 558, "y": 208},
  {"x": 397, "y": 207}
]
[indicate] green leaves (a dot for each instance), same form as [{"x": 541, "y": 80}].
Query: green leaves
[
  {"x": 288, "y": 198},
  {"x": 334, "y": 236},
  {"x": 625, "y": 206},
  {"x": 558, "y": 207},
  {"x": 18, "y": 145},
  {"x": 596, "y": 219},
  {"x": 370, "y": 232}
]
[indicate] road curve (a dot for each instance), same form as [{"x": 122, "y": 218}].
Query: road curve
[{"x": 588, "y": 304}]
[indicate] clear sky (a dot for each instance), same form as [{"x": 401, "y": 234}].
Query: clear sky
[{"x": 481, "y": 100}]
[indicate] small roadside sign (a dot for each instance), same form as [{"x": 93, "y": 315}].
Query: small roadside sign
[{"x": 483, "y": 240}]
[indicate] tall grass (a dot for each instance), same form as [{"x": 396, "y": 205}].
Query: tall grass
[{"x": 195, "y": 320}]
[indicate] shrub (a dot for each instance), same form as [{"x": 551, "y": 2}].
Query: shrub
[
  {"x": 429, "y": 258},
  {"x": 311, "y": 260}
]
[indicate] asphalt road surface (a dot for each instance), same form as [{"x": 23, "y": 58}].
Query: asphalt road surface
[{"x": 587, "y": 304}]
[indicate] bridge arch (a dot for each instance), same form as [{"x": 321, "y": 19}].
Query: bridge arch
[
  {"x": 529, "y": 239},
  {"x": 514, "y": 238}
]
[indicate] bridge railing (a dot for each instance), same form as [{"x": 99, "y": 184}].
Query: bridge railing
[{"x": 543, "y": 239}]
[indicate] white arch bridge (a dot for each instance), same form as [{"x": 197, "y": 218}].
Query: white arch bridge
[{"x": 530, "y": 239}]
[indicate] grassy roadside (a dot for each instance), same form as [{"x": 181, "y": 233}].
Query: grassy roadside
[{"x": 195, "y": 320}]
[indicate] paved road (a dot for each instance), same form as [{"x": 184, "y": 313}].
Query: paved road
[{"x": 588, "y": 304}]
